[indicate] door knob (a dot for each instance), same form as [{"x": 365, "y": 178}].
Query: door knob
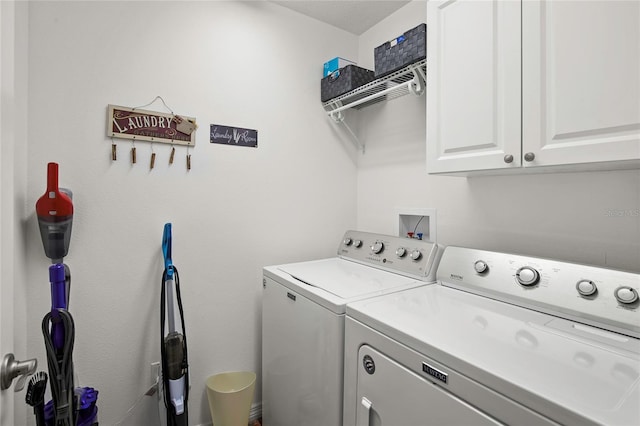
[
  {"x": 508, "y": 158},
  {"x": 11, "y": 369},
  {"x": 529, "y": 156}
]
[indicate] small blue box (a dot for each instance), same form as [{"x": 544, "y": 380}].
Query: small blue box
[{"x": 335, "y": 64}]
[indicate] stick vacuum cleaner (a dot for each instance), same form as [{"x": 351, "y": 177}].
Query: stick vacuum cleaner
[
  {"x": 69, "y": 405},
  {"x": 175, "y": 368}
]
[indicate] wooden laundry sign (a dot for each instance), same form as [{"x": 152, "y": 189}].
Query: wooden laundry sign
[
  {"x": 152, "y": 126},
  {"x": 233, "y": 136}
]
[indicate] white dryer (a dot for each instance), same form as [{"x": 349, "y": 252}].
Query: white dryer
[
  {"x": 303, "y": 315},
  {"x": 501, "y": 339}
]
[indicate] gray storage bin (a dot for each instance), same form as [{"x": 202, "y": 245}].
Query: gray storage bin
[
  {"x": 401, "y": 51},
  {"x": 344, "y": 80}
]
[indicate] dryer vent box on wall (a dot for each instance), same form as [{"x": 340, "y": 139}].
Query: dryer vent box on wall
[{"x": 417, "y": 223}]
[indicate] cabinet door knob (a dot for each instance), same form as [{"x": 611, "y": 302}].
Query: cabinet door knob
[
  {"x": 508, "y": 158},
  {"x": 529, "y": 156}
]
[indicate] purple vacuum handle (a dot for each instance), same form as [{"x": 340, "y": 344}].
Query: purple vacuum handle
[{"x": 58, "y": 301}]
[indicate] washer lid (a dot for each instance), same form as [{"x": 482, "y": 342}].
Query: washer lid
[
  {"x": 345, "y": 279},
  {"x": 570, "y": 372}
]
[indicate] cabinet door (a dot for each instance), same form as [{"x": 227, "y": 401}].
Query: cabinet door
[
  {"x": 581, "y": 81},
  {"x": 473, "y": 85}
]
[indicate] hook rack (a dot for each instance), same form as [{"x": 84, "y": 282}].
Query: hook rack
[
  {"x": 151, "y": 126},
  {"x": 136, "y": 124}
]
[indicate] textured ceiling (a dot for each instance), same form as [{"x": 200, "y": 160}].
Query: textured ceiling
[{"x": 355, "y": 17}]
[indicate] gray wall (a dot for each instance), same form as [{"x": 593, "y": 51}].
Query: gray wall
[
  {"x": 247, "y": 64},
  {"x": 255, "y": 65},
  {"x": 584, "y": 217},
  {"x": 13, "y": 150}
]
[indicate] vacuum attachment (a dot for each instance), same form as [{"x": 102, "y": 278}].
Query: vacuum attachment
[
  {"x": 55, "y": 216},
  {"x": 35, "y": 396}
]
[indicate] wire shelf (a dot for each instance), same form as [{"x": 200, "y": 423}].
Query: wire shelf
[{"x": 410, "y": 79}]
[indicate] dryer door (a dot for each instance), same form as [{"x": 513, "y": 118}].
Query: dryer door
[{"x": 391, "y": 395}]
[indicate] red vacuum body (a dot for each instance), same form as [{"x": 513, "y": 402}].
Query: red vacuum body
[{"x": 55, "y": 216}]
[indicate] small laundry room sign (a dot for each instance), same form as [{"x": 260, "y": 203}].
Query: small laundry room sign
[{"x": 238, "y": 136}]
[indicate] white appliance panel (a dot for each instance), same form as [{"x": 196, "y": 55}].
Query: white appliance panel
[
  {"x": 494, "y": 405},
  {"x": 335, "y": 282},
  {"x": 567, "y": 372},
  {"x": 303, "y": 320},
  {"x": 304, "y": 347},
  {"x": 555, "y": 291},
  {"x": 345, "y": 279},
  {"x": 393, "y": 395}
]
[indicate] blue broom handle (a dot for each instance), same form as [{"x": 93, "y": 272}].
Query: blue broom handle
[{"x": 166, "y": 250}]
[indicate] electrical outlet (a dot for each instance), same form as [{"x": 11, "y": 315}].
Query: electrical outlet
[
  {"x": 154, "y": 373},
  {"x": 154, "y": 378}
]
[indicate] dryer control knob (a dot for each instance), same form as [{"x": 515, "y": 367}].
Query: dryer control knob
[
  {"x": 481, "y": 266},
  {"x": 626, "y": 295},
  {"x": 527, "y": 276},
  {"x": 347, "y": 241},
  {"x": 368, "y": 364},
  {"x": 401, "y": 251},
  {"x": 416, "y": 255},
  {"x": 357, "y": 243},
  {"x": 586, "y": 287},
  {"x": 377, "y": 247}
]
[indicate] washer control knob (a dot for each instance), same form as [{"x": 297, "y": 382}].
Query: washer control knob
[
  {"x": 626, "y": 295},
  {"x": 377, "y": 247},
  {"x": 347, "y": 241},
  {"x": 586, "y": 287},
  {"x": 401, "y": 251},
  {"x": 416, "y": 255},
  {"x": 481, "y": 266},
  {"x": 527, "y": 276},
  {"x": 357, "y": 243}
]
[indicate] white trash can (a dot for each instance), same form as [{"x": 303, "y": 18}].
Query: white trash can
[{"x": 230, "y": 396}]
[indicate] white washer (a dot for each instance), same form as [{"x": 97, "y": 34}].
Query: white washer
[
  {"x": 504, "y": 339},
  {"x": 303, "y": 321}
]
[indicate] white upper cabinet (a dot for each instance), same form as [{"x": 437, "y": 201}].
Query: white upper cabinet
[
  {"x": 536, "y": 83},
  {"x": 473, "y": 85},
  {"x": 581, "y": 81}
]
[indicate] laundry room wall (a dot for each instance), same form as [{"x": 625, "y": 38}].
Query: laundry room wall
[
  {"x": 247, "y": 64},
  {"x": 587, "y": 217},
  {"x": 13, "y": 181}
]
